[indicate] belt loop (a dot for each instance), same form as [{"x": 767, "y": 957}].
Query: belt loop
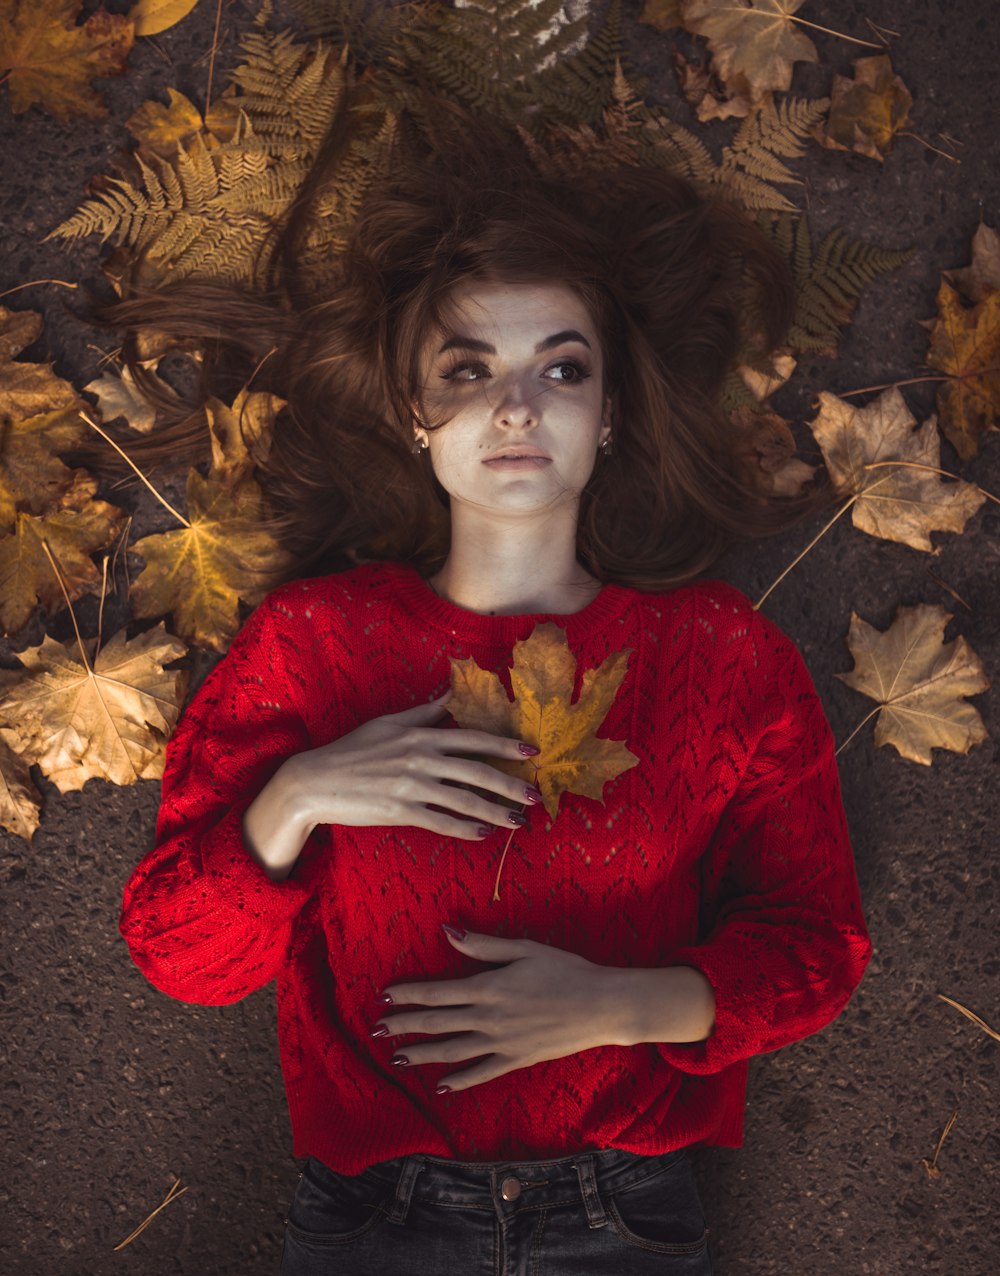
[
  {"x": 412, "y": 1166},
  {"x": 596, "y": 1216}
]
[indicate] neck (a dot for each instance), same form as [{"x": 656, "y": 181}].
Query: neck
[{"x": 511, "y": 569}]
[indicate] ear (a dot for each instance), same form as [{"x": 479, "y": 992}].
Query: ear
[{"x": 606, "y": 422}]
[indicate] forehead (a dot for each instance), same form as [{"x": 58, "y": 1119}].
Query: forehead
[{"x": 523, "y": 308}]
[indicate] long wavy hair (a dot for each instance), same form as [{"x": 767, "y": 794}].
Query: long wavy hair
[{"x": 670, "y": 277}]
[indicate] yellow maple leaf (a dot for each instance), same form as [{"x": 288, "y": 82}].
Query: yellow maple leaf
[
  {"x": 901, "y": 504},
  {"x": 250, "y": 417},
  {"x": 754, "y": 42},
  {"x": 81, "y": 719},
  {"x": 982, "y": 276},
  {"x": 153, "y": 16},
  {"x": 572, "y": 758},
  {"x": 965, "y": 344},
  {"x": 867, "y": 112},
  {"x": 73, "y": 531},
  {"x": 919, "y": 681},
  {"x": 27, "y": 389},
  {"x": 47, "y": 59},
  {"x": 199, "y": 572}
]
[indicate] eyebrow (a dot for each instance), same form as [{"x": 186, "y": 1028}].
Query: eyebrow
[{"x": 484, "y": 347}]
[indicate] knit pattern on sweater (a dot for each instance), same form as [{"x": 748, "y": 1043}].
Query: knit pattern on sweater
[{"x": 725, "y": 848}]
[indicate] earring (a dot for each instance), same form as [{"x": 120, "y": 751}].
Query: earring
[
  {"x": 418, "y": 446},
  {"x": 605, "y": 448}
]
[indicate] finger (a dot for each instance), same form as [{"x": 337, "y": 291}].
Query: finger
[
  {"x": 488, "y": 1070},
  {"x": 467, "y": 740},
  {"x": 484, "y": 776},
  {"x": 493, "y": 947},
  {"x": 420, "y": 713},
  {"x": 423, "y": 817},
  {"x": 452, "y": 1051},
  {"x": 440, "y": 992},
  {"x": 474, "y": 805}
]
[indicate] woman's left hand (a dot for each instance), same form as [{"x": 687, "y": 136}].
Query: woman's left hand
[{"x": 545, "y": 1003}]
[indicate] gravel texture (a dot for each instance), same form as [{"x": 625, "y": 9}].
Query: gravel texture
[{"x": 111, "y": 1090}]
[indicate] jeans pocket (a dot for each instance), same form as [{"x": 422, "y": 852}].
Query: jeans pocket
[
  {"x": 334, "y": 1209},
  {"x": 662, "y": 1212}
]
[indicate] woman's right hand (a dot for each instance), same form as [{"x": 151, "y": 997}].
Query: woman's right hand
[{"x": 393, "y": 769}]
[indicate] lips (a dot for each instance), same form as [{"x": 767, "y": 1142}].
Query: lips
[{"x": 514, "y": 453}]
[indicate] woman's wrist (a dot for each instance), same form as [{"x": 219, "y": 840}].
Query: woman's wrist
[
  {"x": 275, "y": 827},
  {"x": 672, "y": 1004}
]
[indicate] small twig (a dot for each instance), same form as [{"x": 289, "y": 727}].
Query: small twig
[
  {"x": 798, "y": 558},
  {"x": 839, "y": 34},
  {"x": 211, "y": 60},
  {"x": 937, "y": 150},
  {"x": 163, "y": 501},
  {"x": 944, "y": 585},
  {"x": 870, "y": 389},
  {"x": 980, "y": 1023},
  {"x": 171, "y": 1196},
  {"x": 931, "y": 1166},
  {"x": 34, "y": 282},
  {"x": 881, "y": 32}
]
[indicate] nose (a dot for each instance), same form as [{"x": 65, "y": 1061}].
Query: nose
[{"x": 515, "y": 408}]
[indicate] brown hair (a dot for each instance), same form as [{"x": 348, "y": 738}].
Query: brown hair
[{"x": 671, "y": 278}]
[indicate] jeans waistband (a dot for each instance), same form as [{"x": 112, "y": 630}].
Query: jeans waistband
[{"x": 487, "y": 1184}]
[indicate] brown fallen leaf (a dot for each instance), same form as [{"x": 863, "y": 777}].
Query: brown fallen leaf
[
  {"x": 662, "y": 14},
  {"x": 982, "y": 276},
  {"x": 255, "y": 411},
  {"x": 572, "y": 758},
  {"x": 901, "y": 504},
  {"x": 73, "y": 530},
  {"x": 32, "y": 478},
  {"x": 754, "y": 43},
  {"x": 48, "y": 60},
  {"x": 868, "y": 111},
  {"x": 119, "y": 396},
  {"x": 159, "y": 128},
  {"x": 702, "y": 89},
  {"x": 200, "y": 572},
  {"x": 918, "y": 680},
  {"x": 27, "y": 389},
  {"x": 153, "y": 16},
  {"x": 81, "y": 719},
  {"x": 765, "y": 458},
  {"x": 965, "y": 344},
  {"x": 20, "y": 801}
]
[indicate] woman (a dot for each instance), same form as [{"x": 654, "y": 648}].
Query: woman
[{"x": 508, "y": 414}]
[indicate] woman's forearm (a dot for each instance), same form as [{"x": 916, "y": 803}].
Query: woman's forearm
[
  {"x": 274, "y": 827},
  {"x": 670, "y": 1004}
]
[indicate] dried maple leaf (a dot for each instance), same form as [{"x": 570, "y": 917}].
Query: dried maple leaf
[
  {"x": 119, "y": 396},
  {"x": 161, "y": 128},
  {"x": 200, "y": 572},
  {"x": 73, "y": 532},
  {"x": 106, "y": 718},
  {"x": 47, "y": 59},
  {"x": 662, "y": 14},
  {"x": 251, "y": 416},
  {"x": 20, "y": 801},
  {"x": 27, "y": 389},
  {"x": 754, "y": 42},
  {"x": 32, "y": 477},
  {"x": 899, "y": 504},
  {"x": 965, "y": 344},
  {"x": 868, "y": 111},
  {"x": 919, "y": 680},
  {"x": 572, "y": 758},
  {"x": 983, "y": 275},
  {"x": 153, "y": 16}
]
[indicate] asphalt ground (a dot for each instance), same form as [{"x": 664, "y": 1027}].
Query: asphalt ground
[{"x": 111, "y": 1091}]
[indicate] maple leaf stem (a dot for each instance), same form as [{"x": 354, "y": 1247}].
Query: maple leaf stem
[
  {"x": 163, "y": 501},
  {"x": 918, "y": 465},
  {"x": 62, "y": 586},
  {"x": 839, "y": 34},
  {"x": 937, "y": 151},
  {"x": 33, "y": 282},
  {"x": 878, "y": 709},
  {"x": 843, "y": 510},
  {"x": 870, "y": 389},
  {"x": 496, "y": 884}
]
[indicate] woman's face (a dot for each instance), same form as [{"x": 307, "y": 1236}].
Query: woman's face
[{"x": 509, "y": 386}]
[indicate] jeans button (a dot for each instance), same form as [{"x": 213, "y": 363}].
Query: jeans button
[{"x": 510, "y": 1189}]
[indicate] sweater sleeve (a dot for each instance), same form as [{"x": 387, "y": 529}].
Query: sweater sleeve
[
  {"x": 203, "y": 921},
  {"x": 786, "y": 941}
]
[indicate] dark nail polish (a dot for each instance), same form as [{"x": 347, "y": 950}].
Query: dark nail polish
[
  {"x": 381, "y": 1031},
  {"x": 532, "y": 795},
  {"x": 485, "y": 830},
  {"x": 528, "y": 750},
  {"x": 384, "y": 999},
  {"x": 517, "y": 817},
  {"x": 443, "y": 1089},
  {"x": 400, "y": 1060}
]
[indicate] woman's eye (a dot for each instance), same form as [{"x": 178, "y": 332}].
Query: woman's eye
[{"x": 580, "y": 372}]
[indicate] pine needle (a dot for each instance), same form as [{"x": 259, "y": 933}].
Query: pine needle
[
  {"x": 980, "y": 1023},
  {"x": 171, "y": 1196}
]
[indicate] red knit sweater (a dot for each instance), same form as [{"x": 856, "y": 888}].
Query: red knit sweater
[{"x": 725, "y": 848}]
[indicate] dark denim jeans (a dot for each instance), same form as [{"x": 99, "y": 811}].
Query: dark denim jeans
[{"x": 600, "y": 1213}]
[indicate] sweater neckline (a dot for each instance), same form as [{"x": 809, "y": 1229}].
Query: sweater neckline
[{"x": 412, "y": 589}]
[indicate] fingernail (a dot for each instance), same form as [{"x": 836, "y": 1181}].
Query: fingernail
[
  {"x": 455, "y": 932},
  {"x": 400, "y": 1060},
  {"x": 384, "y": 999},
  {"x": 532, "y": 795},
  {"x": 517, "y": 817},
  {"x": 485, "y": 830},
  {"x": 442, "y": 1089},
  {"x": 528, "y": 750},
  {"x": 381, "y": 1031}
]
